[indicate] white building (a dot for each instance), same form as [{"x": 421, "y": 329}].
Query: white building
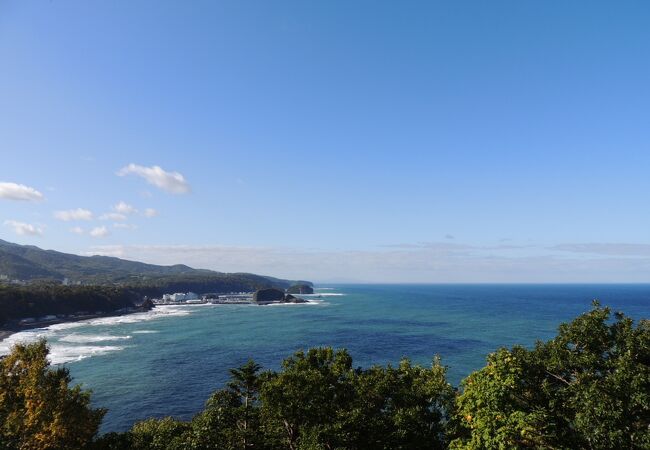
[{"x": 178, "y": 297}]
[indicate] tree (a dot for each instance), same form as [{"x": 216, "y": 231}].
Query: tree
[
  {"x": 318, "y": 401},
  {"x": 302, "y": 403},
  {"x": 159, "y": 434},
  {"x": 216, "y": 425},
  {"x": 38, "y": 409},
  {"x": 588, "y": 388},
  {"x": 231, "y": 418},
  {"x": 405, "y": 407},
  {"x": 245, "y": 384}
]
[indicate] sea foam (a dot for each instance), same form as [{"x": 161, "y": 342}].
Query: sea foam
[
  {"x": 61, "y": 354},
  {"x": 83, "y": 338},
  {"x": 59, "y": 337}
]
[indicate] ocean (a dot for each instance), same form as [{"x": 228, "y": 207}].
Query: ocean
[{"x": 168, "y": 361}]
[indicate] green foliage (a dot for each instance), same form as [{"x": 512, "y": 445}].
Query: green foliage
[
  {"x": 38, "y": 410},
  {"x": 308, "y": 397},
  {"x": 404, "y": 407},
  {"x": 18, "y": 302},
  {"x": 319, "y": 401},
  {"x": 159, "y": 434},
  {"x": 300, "y": 289},
  {"x": 587, "y": 388}
]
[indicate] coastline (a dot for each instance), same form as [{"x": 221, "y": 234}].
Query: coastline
[{"x": 8, "y": 330}]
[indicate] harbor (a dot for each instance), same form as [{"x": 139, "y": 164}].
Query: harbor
[{"x": 190, "y": 298}]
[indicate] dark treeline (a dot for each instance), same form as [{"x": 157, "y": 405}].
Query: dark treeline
[
  {"x": 588, "y": 388},
  {"x": 17, "y": 302},
  {"x": 204, "y": 283}
]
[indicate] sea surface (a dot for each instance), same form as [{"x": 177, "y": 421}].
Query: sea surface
[{"x": 168, "y": 361}]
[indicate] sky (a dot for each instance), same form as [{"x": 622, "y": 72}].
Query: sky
[{"x": 336, "y": 141}]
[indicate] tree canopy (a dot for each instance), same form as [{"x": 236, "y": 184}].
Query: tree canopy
[
  {"x": 38, "y": 409},
  {"x": 589, "y": 388}
]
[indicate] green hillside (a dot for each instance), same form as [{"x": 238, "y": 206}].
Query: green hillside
[{"x": 27, "y": 262}]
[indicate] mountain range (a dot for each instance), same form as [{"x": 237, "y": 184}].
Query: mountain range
[{"x": 30, "y": 263}]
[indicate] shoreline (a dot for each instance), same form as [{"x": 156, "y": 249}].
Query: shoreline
[{"x": 8, "y": 330}]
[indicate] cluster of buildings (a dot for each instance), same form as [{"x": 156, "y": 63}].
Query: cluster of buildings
[
  {"x": 7, "y": 280},
  {"x": 190, "y": 298},
  {"x": 179, "y": 297}
]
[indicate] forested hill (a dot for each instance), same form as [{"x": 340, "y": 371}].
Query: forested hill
[
  {"x": 29, "y": 263},
  {"x": 107, "y": 283}
]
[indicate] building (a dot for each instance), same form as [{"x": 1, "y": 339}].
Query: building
[{"x": 178, "y": 297}]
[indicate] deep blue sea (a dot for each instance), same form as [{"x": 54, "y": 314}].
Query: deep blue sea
[{"x": 168, "y": 361}]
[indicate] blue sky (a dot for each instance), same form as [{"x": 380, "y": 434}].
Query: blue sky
[{"x": 459, "y": 141}]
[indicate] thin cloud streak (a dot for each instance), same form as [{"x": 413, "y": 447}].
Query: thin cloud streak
[
  {"x": 442, "y": 264},
  {"x": 616, "y": 249}
]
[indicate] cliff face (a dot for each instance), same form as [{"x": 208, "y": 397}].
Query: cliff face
[
  {"x": 291, "y": 299},
  {"x": 300, "y": 289},
  {"x": 268, "y": 295}
]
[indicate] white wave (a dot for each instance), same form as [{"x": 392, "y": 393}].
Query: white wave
[
  {"x": 60, "y": 354},
  {"x": 23, "y": 337},
  {"x": 308, "y": 303},
  {"x": 146, "y": 332},
  {"x": 82, "y": 338},
  {"x": 67, "y": 325},
  {"x": 52, "y": 332},
  {"x": 155, "y": 313},
  {"x": 323, "y": 294}
]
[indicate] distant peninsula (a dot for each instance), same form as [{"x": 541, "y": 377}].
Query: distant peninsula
[
  {"x": 304, "y": 289},
  {"x": 37, "y": 283}
]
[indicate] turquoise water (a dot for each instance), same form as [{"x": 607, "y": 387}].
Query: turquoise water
[{"x": 167, "y": 362}]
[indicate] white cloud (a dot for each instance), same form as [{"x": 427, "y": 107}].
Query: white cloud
[
  {"x": 77, "y": 230},
  {"x": 112, "y": 216},
  {"x": 172, "y": 182},
  {"x": 99, "y": 232},
  {"x": 150, "y": 212},
  {"x": 74, "y": 214},
  {"x": 124, "y": 208},
  {"x": 14, "y": 191},
  {"x": 125, "y": 226},
  {"x": 24, "y": 229}
]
